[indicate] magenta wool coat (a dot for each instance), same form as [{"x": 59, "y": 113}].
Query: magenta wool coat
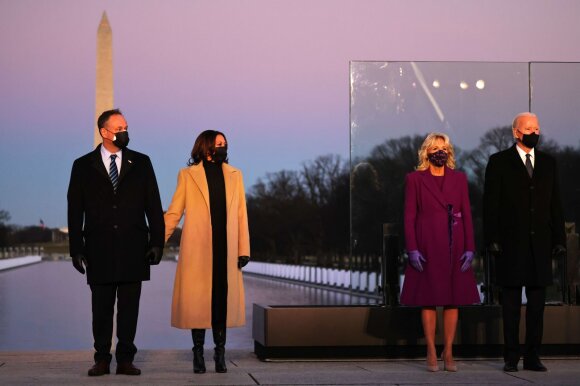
[{"x": 430, "y": 213}]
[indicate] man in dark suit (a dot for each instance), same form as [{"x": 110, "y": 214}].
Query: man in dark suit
[
  {"x": 112, "y": 191},
  {"x": 524, "y": 229}
]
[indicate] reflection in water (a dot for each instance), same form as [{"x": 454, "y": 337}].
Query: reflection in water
[{"x": 46, "y": 306}]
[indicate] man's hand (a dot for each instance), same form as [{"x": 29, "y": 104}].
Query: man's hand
[
  {"x": 154, "y": 255},
  {"x": 243, "y": 261},
  {"x": 559, "y": 251},
  {"x": 78, "y": 262}
]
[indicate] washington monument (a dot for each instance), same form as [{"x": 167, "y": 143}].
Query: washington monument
[{"x": 104, "y": 79}]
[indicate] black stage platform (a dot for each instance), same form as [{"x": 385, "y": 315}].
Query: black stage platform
[{"x": 396, "y": 332}]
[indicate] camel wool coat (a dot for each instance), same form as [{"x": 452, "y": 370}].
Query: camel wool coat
[{"x": 191, "y": 305}]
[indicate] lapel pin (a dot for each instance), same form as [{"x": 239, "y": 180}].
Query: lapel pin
[{"x": 129, "y": 161}]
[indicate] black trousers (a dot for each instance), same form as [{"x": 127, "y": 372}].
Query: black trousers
[
  {"x": 219, "y": 293},
  {"x": 103, "y": 305},
  {"x": 511, "y": 301},
  {"x": 219, "y": 286}
]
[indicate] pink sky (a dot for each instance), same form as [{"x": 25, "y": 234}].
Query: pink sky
[{"x": 274, "y": 75}]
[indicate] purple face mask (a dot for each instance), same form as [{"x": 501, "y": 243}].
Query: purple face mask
[{"x": 439, "y": 158}]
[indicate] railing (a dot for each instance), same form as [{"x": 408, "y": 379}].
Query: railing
[
  {"x": 360, "y": 282},
  {"x": 10, "y": 252}
]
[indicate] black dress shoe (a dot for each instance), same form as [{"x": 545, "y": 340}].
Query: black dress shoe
[
  {"x": 510, "y": 367},
  {"x": 99, "y": 368},
  {"x": 535, "y": 366},
  {"x": 127, "y": 368}
]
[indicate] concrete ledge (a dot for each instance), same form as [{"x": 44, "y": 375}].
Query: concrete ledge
[{"x": 18, "y": 262}]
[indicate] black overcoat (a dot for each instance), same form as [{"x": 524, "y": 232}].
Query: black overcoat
[
  {"x": 114, "y": 230},
  {"x": 523, "y": 215}
]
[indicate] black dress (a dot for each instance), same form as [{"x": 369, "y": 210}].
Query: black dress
[{"x": 217, "y": 206}]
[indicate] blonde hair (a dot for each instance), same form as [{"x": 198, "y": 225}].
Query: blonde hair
[{"x": 427, "y": 143}]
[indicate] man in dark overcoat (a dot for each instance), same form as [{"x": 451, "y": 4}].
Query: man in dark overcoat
[
  {"x": 524, "y": 230},
  {"x": 116, "y": 230}
]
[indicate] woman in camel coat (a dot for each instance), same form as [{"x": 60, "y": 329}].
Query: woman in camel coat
[{"x": 209, "y": 289}]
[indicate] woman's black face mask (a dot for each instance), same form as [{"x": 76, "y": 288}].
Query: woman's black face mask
[{"x": 220, "y": 154}]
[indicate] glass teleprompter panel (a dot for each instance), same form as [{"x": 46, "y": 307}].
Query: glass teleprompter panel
[{"x": 395, "y": 104}]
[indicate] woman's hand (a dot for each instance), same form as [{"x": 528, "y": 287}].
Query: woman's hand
[
  {"x": 243, "y": 261},
  {"x": 415, "y": 259},
  {"x": 466, "y": 260}
]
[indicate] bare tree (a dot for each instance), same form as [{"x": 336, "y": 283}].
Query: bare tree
[
  {"x": 475, "y": 161},
  {"x": 4, "y": 216},
  {"x": 4, "y": 229},
  {"x": 322, "y": 176}
]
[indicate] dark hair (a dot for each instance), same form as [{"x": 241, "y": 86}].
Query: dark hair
[
  {"x": 204, "y": 145},
  {"x": 104, "y": 117}
]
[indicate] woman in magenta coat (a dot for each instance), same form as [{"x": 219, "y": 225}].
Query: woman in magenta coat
[{"x": 439, "y": 242}]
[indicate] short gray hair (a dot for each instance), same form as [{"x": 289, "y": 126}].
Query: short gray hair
[{"x": 520, "y": 115}]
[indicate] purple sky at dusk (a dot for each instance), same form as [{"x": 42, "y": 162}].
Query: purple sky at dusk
[{"x": 273, "y": 75}]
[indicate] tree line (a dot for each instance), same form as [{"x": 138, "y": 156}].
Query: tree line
[
  {"x": 315, "y": 215},
  {"x": 12, "y": 235}
]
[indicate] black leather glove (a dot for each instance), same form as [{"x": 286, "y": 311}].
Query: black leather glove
[
  {"x": 154, "y": 255},
  {"x": 243, "y": 261},
  {"x": 78, "y": 262},
  {"x": 494, "y": 248},
  {"x": 559, "y": 251}
]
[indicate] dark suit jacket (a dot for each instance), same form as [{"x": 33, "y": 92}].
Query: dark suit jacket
[
  {"x": 523, "y": 215},
  {"x": 108, "y": 228}
]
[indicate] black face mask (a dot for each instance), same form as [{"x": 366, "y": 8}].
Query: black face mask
[
  {"x": 220, "y": 154},
  {"x": 530, "y": 140},
  {"x": 120, "y": 139}
]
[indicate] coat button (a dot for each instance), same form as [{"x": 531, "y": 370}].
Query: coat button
[
  {"x": 532, "y": 187},
  {"x": 114, "y": 206},
  {"x": 115, "y": 226},
  {"x": 532, "y": 233}
]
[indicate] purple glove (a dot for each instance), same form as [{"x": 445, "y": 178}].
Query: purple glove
[
  {"x": 415, "y": 259},
  {"x": 466, "y": 259}
]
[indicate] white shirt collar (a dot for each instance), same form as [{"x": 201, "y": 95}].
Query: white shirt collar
[
  {"x": 106, "y": 157},
  {"x": 106, "y": 154},
  {"x": 522, "y": 154}
]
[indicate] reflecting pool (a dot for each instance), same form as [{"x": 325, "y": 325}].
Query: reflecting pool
[{"x": 46, "y": 306}]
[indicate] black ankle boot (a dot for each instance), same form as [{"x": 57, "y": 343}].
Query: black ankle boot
[
  {"x": 219, "y": 338},
  {"x": 198, "y": 336}
]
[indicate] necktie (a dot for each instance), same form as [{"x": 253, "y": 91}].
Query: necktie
[
  {"x": 529, "y": 166},
  {"x": 113, "y": 173}
]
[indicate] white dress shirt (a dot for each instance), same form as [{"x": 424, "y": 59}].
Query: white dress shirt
[
  {"x": 106, "y": 155},
  {"x": 522, "y": 154}
]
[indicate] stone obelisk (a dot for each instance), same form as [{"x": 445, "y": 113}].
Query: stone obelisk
[{"x": 104, "y": 81}]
